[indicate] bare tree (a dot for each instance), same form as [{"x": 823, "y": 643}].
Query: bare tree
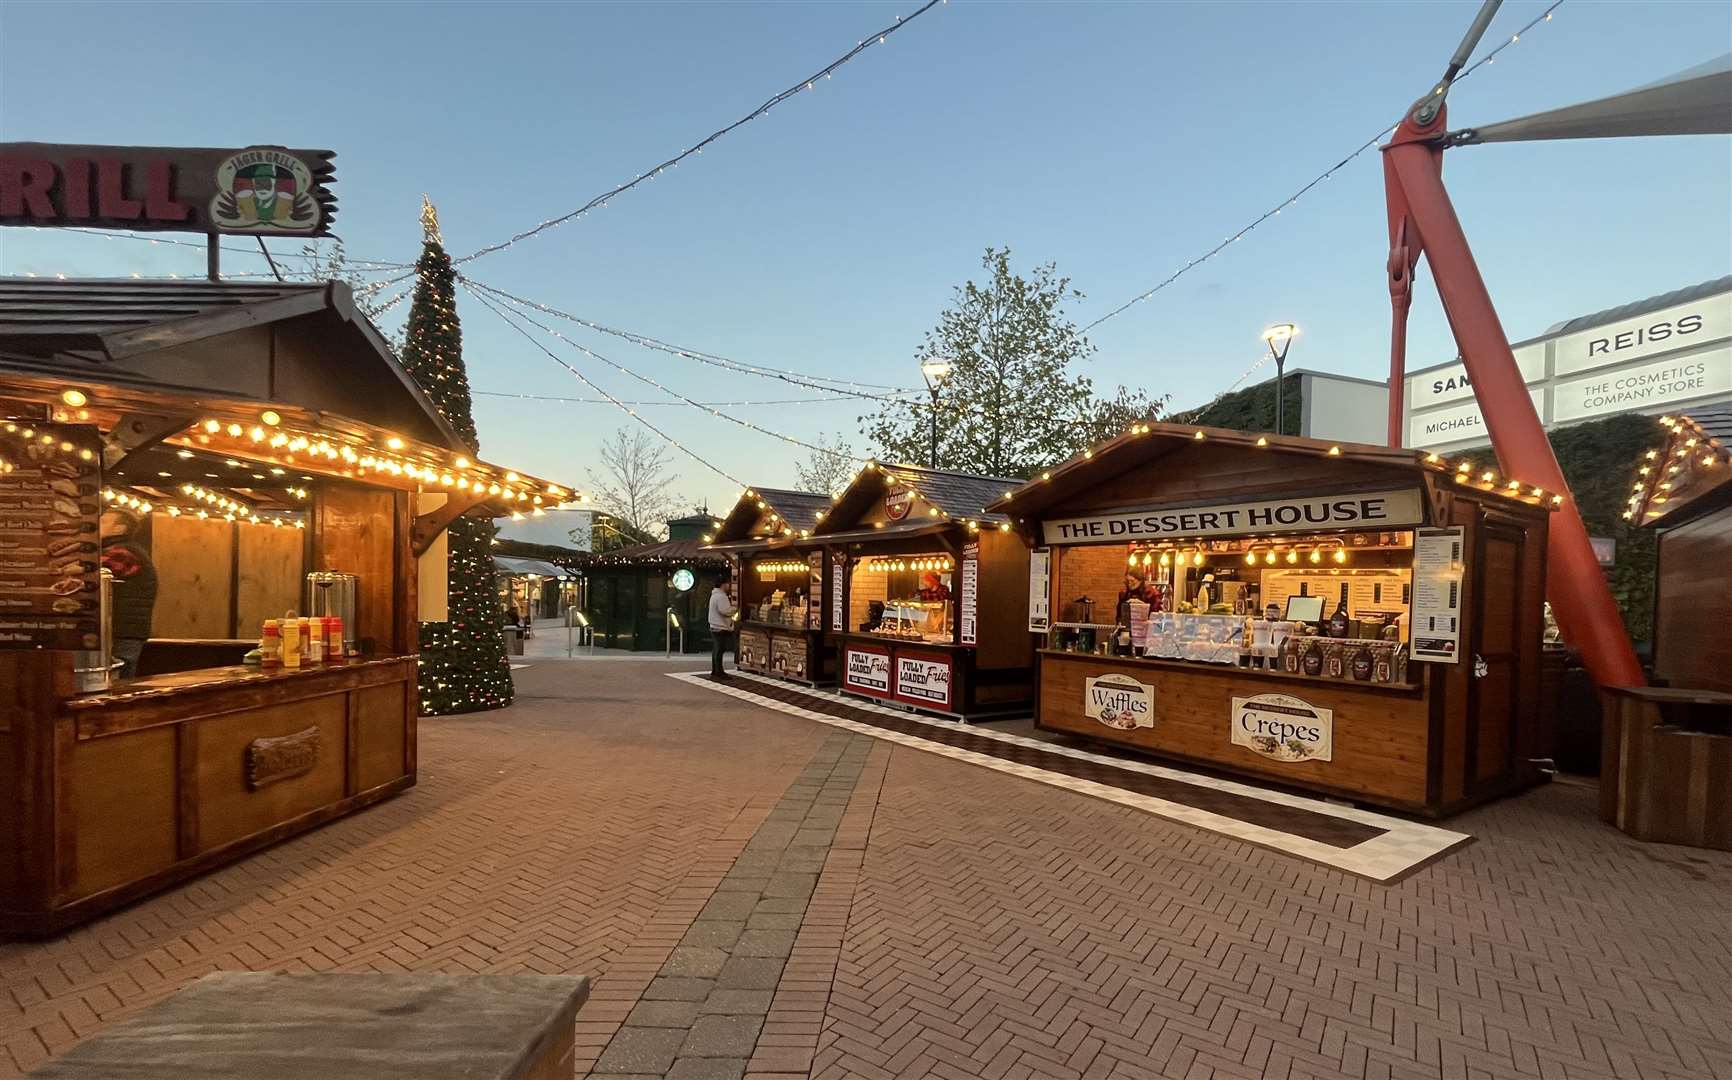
[
  {"x": 827, "y": 470},
  {"x": 635, "y": 484}
]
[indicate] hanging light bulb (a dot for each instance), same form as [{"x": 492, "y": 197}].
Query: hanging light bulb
[
  {"x": 1316, "y": 555},
  {"x": 1133, "y": 559},
  {"x": 1340, "y": 555},
  {"x": 1148, "y": 557},
  {"x": 1197, "y": 559},
  {"x": 1250, "y": 558},
  {"x": 1166, "y": 559},
  {"x": 1270, "y": 557},
  {"x": 1292, "y": 555}
]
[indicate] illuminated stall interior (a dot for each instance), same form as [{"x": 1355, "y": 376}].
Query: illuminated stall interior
[
  {"x": 904, "y": 597},
  {"x": 782, "y": 583},
  {"x": 226, "y": 454}
]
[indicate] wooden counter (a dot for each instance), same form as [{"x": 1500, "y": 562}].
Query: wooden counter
[
  {"x": 1382, "y": 738},
  {"x": 934, "y": 677},
  {"x": 112, "y": 796},
  {"x": 797, "y": 654},
  {"x": 1666, "y": 765}
]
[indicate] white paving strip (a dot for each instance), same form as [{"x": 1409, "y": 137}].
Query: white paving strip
[{"x": 1399, "y": 849}]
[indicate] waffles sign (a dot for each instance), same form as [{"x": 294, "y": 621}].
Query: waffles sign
[
  {"x": 1119, "y": 701},
  {"x": 260, "y": 189}
]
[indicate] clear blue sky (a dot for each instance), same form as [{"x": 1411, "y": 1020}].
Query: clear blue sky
[{"x": 1117, "y": 139}]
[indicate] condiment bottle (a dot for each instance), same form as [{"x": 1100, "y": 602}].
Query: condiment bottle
[
  {"x": 334, "y": 649},
  {"x": 291, "y": 635},
  {"x": 270, "y": 645},
  {"x": 315, "y": 640}
]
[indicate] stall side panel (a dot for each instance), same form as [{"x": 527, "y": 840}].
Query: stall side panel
[{"x": 1002, "y": 598}]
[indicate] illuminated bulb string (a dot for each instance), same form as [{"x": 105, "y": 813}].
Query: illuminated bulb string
[
  {"x": 706, "y": 404},
  {"x": 647, "y": 381},
  {"x": 799, "y": 378},
  {"x": 1544, "y": 16},
  {"x": 617, "y": 403}
]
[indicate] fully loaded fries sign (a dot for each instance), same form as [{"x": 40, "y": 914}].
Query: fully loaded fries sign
[{"x": 264, "y": 190}]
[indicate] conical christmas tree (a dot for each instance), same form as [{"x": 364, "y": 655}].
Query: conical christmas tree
[{"x": 463, "y": 664}]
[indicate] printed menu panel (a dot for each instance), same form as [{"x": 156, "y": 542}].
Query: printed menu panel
[
  {"x": 1039, "y": 591},
  {"x": 969, "y": 616},
  {"x": 1437, "y": 583},
  {"x": 50, "y": 548}
]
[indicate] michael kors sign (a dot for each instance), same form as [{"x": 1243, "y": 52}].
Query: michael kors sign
[{"x": 1398, "y": 508}]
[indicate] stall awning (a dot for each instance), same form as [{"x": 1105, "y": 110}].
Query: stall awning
[
  {"x": 886, "y": 534},
  {"x": 515, "y": 566}
]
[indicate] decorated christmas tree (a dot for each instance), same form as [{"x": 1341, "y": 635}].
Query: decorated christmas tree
[{"x": 463, "y": 664}]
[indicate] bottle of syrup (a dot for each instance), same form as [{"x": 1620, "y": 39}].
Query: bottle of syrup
[{"x": 1338, "y": 621}]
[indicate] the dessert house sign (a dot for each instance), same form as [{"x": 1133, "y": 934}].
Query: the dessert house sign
[
  {"x": 1358, "y": 510},
  {"x": 264, "y": 190}
]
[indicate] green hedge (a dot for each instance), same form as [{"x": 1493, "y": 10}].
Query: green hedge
[
  {"x": 1599, "y": 460},
  {"x": 1251, "y": 409}
]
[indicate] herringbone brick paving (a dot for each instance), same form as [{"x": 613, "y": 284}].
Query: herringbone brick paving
[
  {"x": 544, "y": 838},
  {"x": 966, "y": 923},
  {"x": 1003, "y": 931}
]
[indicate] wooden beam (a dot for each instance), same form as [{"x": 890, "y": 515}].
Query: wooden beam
[
  {"x": 140, "y": 431},
  {"x": 428, "y": 526}
]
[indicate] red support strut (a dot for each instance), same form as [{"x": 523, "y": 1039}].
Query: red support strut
[{"x": 1421, "y": 216}]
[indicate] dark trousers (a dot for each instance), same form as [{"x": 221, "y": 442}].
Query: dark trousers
[{"x": 720, "y": 642}]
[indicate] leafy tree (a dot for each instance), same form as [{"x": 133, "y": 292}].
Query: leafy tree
[
  {"x": 827, "y": 470},
  {"x": 635, "y": 484},
  {"x": 1010, "y": 403},
  {"x": 1108, "y": 417},
  {"x": 463, "y": 664}
]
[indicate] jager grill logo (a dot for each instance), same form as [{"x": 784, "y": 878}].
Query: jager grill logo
[{"x": 265, "y": 191}]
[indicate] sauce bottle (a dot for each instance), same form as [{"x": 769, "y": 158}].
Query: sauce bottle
[
  {"x": 334, "y": 647},
  {"x": 315, "y": 640},
  {"x": 291, "y": 635},
  {"x": 270, "y": 645}
]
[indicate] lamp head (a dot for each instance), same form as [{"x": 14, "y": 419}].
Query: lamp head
[
  {"x": 934, "y": 370},
  {"x": 1275, "y": 335}
]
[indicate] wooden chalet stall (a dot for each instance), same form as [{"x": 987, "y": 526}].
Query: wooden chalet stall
[
  {"x": 934, "y": 593},
  {"x": 1359, "y": 621},
  {"x": 782, "y": 584},
  {"x": 1666, "y": 750},
  {"x": 224, "y": 454}
]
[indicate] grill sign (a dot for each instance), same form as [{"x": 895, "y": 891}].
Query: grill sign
[
  {"x": 1119, "y": 701},
  {"x": 1283, "y": 728}
]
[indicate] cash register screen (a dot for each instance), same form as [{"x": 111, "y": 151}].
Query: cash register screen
[{"x": 1305, "y": 609}]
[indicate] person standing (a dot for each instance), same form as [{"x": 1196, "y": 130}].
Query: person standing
[{"x": 721, "y": 625}]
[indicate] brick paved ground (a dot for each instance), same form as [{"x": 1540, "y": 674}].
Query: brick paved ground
[{"x": 962, "y": 923}]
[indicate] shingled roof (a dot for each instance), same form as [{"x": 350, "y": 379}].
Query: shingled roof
[
  {"x": 957, "y": 494},
  {"x": 800, "y": 509}
]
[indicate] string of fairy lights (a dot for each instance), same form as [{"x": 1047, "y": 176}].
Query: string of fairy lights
[
  {"x": 1275, "y": 211},
  {"x": 673, "y": 404},
  {"x": 616, "y": 402},
  {"x": 799, "y": 378}
]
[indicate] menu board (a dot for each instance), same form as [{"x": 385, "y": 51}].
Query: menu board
[
  {"x": 1040, "y": 590},
  {"x": 50, "y": 509},
  {"x": 1437, "y": 576},
  {"x": 838, "y": 579},
  {"x": 815, "y": 591},
  {"x": 968, "y": 617}
]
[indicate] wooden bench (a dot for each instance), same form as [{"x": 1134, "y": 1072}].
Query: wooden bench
[{"x": 266, "y": 1026}]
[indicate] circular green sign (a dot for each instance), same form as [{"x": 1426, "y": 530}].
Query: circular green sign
[{"x": 683, "y": 579}]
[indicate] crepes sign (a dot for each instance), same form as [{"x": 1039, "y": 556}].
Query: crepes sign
[{"x": 1356, "y": 510}]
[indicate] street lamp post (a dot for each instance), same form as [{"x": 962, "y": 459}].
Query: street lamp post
[
  {"x": 934, "y": 371},
  {"x": 1279, "y": 339}
]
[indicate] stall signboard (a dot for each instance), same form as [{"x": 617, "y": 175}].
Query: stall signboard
[
  {"x": 1039, "y": 590},
  {"x": 838, "y": 584},
  {"x": 1119, "y": 701},
  {"x": 1437, "y": 594},
  {"x": 788, "y": 656},
  {"x": 923, "y": 680},
  {"x": 50, "y": 542},
  {"x": 1283, "y": 728},
  {"x": 897, "y": 503},
  {"x": 262, "y": 190},
  {"x": 866, "y": 670},
  {"x": 1356, "y": 510},
  {"x": 968, "y": 615},
  {"x": 753, "y": 650},
  {"x": 815, "y": 591}
]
